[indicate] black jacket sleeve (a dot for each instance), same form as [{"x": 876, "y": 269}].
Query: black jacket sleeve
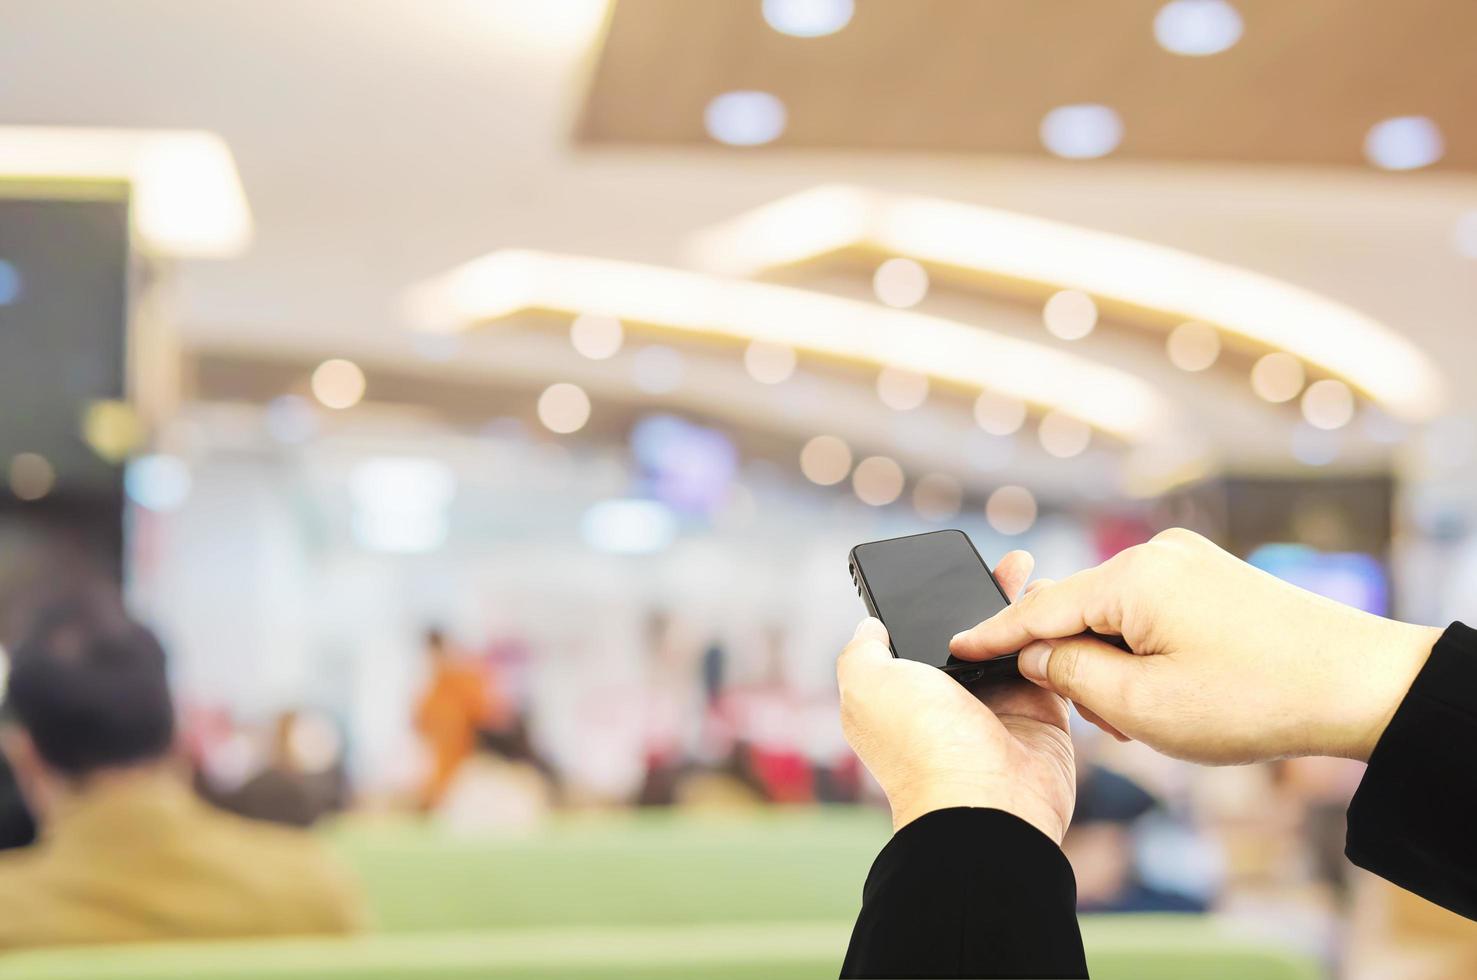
[
  {"x": 1411, "y": 818},
  {"x": 968, "y": 892}
]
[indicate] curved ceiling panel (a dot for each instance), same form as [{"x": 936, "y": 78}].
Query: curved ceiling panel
[
  {"x": 508, "y": 282},
  {"x": 1170, "y": 284}
]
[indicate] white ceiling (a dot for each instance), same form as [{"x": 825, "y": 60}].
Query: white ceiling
[{"x": 382, "y": 141}]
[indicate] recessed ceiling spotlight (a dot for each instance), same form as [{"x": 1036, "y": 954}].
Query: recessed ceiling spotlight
[
  {"x": 877, "y": 481},
  {"x": 1063, "y": 436},
  {"x": 1081, "y": 132},
  {"x": 338, "y": 383},
  {"x": 1011, "y": 510},
  {"x": 808, "y": 18},
  {"x": 564, "y": 408},
  {"x": 1404, "y": 143},
  {"x": 1070, "y": 314},
  {"x": 769, "y": 363},
  {"x": 999, "y": 415},
  {"x": 596, "y": 337},
  {"x": 745, "y": 118},
  {"x": 900, "y": 283},
  {"x": 1277, "y": 377},
  {"x": 825, "y": 460},
  {"x": 1193, "y": 346},
  {"x": 1328, "y": 404},
  {"x": 900, "y": 389},
  {"x": 1197, "y": 27}
]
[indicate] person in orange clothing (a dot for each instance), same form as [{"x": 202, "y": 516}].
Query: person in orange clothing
[{"x": 454, "y": 707}]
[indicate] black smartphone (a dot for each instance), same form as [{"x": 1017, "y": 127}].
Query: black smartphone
[{"x": 925, "y": 588}]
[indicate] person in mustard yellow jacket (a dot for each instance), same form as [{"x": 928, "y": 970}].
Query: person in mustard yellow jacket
[{"x": 126, "y": 851}]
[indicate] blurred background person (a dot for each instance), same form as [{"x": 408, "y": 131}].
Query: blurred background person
[
  {"x": 455, "y": 706},
  {"x": 126, "y": 851}
]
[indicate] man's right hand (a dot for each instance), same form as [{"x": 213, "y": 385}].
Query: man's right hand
[{"x": 1230, "y": 664}]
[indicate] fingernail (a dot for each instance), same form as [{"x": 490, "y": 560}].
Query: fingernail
[
  {"x": 1034, "y": 656},
  {"x": 957, "y": 637},
  {"x": 870, "y": 629}
]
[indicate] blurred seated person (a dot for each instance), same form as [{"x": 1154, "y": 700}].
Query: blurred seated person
[
  {"x": 301, "y": 780},
  {"x": 1102, "y": 844},
  {"x": 126, "y": 851},
  {"x": 455, "y": 706}
]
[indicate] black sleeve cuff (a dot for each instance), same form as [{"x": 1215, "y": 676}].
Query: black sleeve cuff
[
  {"x": 968, "y": 892},
  {"x": 1411, "y": 819}
]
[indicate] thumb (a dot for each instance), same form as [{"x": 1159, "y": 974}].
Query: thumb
[
  {"x": 1082, "y": 669},
  {"x": 867, "y": 648}
]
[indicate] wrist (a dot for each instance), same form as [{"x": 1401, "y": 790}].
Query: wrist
[
  {"x": 986, "y": 793},
  {"x": 1394, "y": 661}
]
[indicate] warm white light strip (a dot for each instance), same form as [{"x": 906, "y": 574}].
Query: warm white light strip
[
  {"x": 507, "y": 282},
  {"x": 1324, "y": 333},
  {"x": 187, "y": 197}
]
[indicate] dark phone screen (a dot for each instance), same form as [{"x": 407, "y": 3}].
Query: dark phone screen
[{"x": 926, "y": 588}]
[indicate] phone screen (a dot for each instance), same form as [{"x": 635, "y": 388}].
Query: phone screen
[{"x": 925, "y": 588}]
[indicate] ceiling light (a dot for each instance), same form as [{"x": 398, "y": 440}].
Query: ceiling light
[
  {"x": 825, "y": 460},
  {"x": 769, "y": 363},
  {"x": 900, "y": 283},
  {"x": 159, "y": 483},
  {"x": 338, "y": 384},
  {"x": 1328, "y": 404},
  {"x": 564, "y": 408},
  {"x": 1404, "y": 143},
  {"x": 1197, "y": 27},
  {"x": 808, "y": 18},
  {"x": 186, "y": 196},
  {"x": 629, "y": 527},
  {"x": 937, "y": 497},
  {"x": 1277, "y": 377},
  {"x": 596, "y": 337},
  {"x": 505, "y": 283},
  {"x": 657, "y": 370},
  {"x": 1464, "y": 236},
  {"x": 1081, "y": 132},
  {"x": 1011, "y": 510},
  {"x": 31, "y": 476},
  {"x": 1193, "y": 346},
  {"x": 10, "y": 283},
  {"x": 878, "y": 481},
  {"x": 1063, "y": 436},
  {"x": 999, "y": 415},
  {"x": 900, "y": 389},
  {"x": 1335, "y": 338},
  {"x": 1070, "y": 314},
  {"x": 745, "y": 118}
]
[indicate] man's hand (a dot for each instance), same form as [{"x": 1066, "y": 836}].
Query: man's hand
[
  {"x": 932, "y": 744},
  {"x": 1229, "y": 664}
]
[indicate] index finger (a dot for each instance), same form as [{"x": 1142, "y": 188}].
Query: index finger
[{"x": 1085, "y": 601}]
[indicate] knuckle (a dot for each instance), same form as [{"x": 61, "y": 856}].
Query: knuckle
[{"x": 1065, "y": 667}]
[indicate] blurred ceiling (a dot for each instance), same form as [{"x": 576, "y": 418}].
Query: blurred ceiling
[
  {"x": 381, "y": 143},
  {"x": 1304, "y": 83}
]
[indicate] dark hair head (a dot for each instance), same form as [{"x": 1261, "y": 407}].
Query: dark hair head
[{"x": 90, "y": 687}]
